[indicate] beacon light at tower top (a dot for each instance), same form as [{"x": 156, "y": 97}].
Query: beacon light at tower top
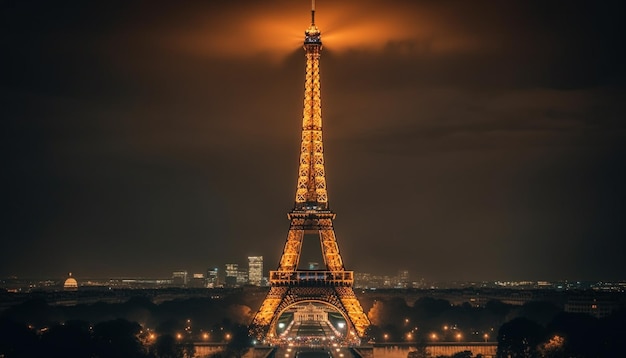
[{"x": 312, "y": 34}]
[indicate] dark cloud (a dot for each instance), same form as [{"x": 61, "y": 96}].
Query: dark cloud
[{"x": 473, "y": 140}]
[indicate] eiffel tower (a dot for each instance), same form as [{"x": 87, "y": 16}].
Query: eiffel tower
[{"x": 311, "y": 215}]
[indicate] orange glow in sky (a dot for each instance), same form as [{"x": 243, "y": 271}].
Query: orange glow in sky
[{"x": 275, "y": 29}]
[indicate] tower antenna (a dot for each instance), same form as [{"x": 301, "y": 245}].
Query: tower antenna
[{"x": 312, "y": 12}]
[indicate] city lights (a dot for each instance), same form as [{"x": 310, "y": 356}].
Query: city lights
[{"x": 479, "y": 156}]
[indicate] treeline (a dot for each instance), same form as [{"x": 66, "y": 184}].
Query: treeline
[
  {"x": 566, "y": 335},
  {"x": 140, "y": 328},
  {"x": 136, "y": 328},
  {"x": 535, "y": 329},
  {"x": 436, "y": 319},
  {"x": 168, "y": 317},
  {"x": 110, "y": 339}
]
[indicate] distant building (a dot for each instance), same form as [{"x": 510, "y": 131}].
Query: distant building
[
  {"x": 179, "y": 278},
  {"x": 314, "y": 266},
  {"x": 231, "y": 273},
  {"x": 368, "y": 280},
  {"x": 212, "y": 278},
  {"x": 197, "y": 280},
  {"x": 310, "y": 313},
  {"x": 70, "y": 283},
  {"x": 242, "y": 277},
  {"x": 598, "y": 305},
  {"x": 402, "y": 279},
  {"x": 255, "y": 270}
]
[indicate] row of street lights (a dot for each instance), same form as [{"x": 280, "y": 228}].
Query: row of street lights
[
  {"x": 179, "y": 336},
  {"x": 448, "y": 334},
  {"x": 435, "y": 337}
]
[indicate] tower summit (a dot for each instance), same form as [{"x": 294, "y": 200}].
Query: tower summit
[
  {"x": 311, "y": 187},
  {"x": 312, "y": 34},
  {"x": 290, "y": 286}
]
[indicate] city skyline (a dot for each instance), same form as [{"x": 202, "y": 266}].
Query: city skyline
[{"x": 463, "y": 141}]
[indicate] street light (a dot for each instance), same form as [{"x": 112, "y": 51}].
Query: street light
[
  {"x": 486, "y": 337},
  {"x": 458, "y": 337},
  {"x": 433, "y": 336}
]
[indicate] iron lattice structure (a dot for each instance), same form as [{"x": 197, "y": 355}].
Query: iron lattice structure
[{"x": 311, "y": 214}]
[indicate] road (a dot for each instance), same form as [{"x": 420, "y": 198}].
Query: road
[
  {"x": 310, "y": 330},
  {"x": 312, "y": 339},
  {"x": 313, "y": 352}
]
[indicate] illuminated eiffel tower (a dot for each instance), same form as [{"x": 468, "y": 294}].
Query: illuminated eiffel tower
[{"x": 311, "y": 214}]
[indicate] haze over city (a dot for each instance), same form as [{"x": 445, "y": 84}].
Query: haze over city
[{"x": 463, "y": 140}]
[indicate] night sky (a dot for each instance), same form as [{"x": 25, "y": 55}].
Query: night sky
[{"x": 464, "y": 140}]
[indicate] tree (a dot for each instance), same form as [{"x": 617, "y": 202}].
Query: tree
[
  {"x": 239, "y": 342},
  {"x": 17, "y": 340},
  {"x": 170, "y": 326},
  {"x": 429, "y": 313},
  {"x": 538, "y": 311},
  {"x": 519, "y": 338},
  {"x": 498, "y": 308},
  {"x": 34, "y": 312},
  {"x": 427, "y": 307},
  {"x": 69, "y": 340},
  {"x": 118, "y": 338},
  {"x": 166, "y": 347},
  {"x": 553, "y": 348},
  {"x": 389, "y": 312},
  {"x": 612, "y": 333},
  {"x": 575, "y": 334}
]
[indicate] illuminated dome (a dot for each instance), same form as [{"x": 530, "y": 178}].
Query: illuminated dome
[{"x": 70, "y": 284}]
